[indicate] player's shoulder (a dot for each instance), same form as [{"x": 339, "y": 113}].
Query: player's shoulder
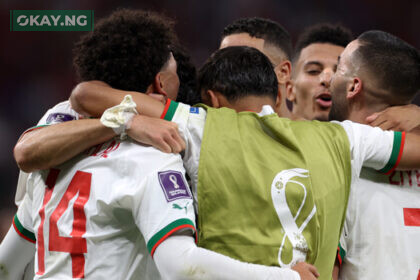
[{"x": 61, "y": 112}]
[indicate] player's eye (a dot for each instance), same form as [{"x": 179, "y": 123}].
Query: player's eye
[{"x": 313, "y": 72}]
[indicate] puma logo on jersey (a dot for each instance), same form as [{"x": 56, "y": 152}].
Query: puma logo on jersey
[{"x": 176, "y": 206}]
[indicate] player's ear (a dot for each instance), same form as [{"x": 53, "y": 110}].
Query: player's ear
[
  {"x": 279, "y": 100},
  {"x": 212, "y": 99},
  {"x": 158, "y": 86},
  {"x": 283, "y": 72},
  {"x": 290, "y": 91},
  {"x": 354, "y": 88}
]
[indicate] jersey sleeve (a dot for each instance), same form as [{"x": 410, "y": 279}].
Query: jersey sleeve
[
  {"x": 191, "y": 122},
  {"x": 62, "y": 112},
  {"x": 166, "y": 206},
  {"x": 372, "y": 147},
  {"x": 22, "y": 221}
]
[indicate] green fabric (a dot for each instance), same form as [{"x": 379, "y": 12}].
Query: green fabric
[
  {"x": 395, "y": 152},
  {"x": 240, "y": 156},
  {"x": 165, "y": 231},
  {"x": 171, "y": 110},
  {"x": 28, "y": 234}
]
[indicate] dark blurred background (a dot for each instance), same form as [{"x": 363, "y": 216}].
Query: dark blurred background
[{"x": 36, "y": 67}]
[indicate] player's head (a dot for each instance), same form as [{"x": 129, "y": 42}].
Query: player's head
[
  {"x": 377, "y": 70},
  {"x": 130, "y": 50},
  {"x": 270, "y": 38},
  {"x": 314, "y": 62},
  {"x": 187, "y": 74},
  {"x": 234, "y": 74},
  {"x": 267, "y": 36}
]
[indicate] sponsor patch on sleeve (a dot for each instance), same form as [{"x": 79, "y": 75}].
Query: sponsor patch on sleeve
[
  {"x": 173, "y": 185},
  {"x": 59, "y": 118},
  {"x": 194, "y": 110}
]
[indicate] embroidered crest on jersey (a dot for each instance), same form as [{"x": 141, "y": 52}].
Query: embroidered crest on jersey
[
  {"x": 173, "y": 185},
  {"x": 59, "y": 118}
]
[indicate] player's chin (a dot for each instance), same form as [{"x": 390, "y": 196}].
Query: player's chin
[{"x": 322, "y": 114}]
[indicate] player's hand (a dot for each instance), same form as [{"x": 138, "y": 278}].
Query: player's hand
[
  {"x": 161, "y": 134},
  {"x": 306, "y": 271},
  {"x": 398, "y": 118}
]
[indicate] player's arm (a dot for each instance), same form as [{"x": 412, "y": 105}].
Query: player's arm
[
  {"x": 52, "y": 145},
  {"x": 15, "y": 254},
  {"x": 398, "y": 118},
  {"x": 179, "y": 258},
  {"x": 92, "y": 98},
  {"x": 384, "y": 151}
]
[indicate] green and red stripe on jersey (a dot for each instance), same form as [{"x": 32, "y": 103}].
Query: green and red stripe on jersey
[
  {"x": 397, "y": 150},
  {"x": 23, "y": 232},
  {"x": 341, "y": 253},
  {"x": 169, "y": 111},
  {"x": 164, "y": 233}
]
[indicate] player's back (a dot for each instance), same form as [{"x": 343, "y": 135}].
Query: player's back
[
  {"x": 383, "y": 223},
  {"x": 87, "y": 218}
]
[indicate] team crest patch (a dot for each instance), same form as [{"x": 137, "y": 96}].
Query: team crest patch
[
  {"x": 59, "y": 118},
  {"x": 173, "y": 185}
]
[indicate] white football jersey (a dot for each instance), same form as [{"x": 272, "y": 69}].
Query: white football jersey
[
  {"x": 103, "y": 213},
  {"x": 381, "y": 235}
]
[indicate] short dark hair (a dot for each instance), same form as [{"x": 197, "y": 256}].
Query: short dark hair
[
  {"x": 187, "y": 74},
  {"x": 272, "y": 32},
  {"x": 393, "y": 63},
  {"x": 237, "y": 72},
  {"x": 334, "y": 34},
  {"x": 126, "y": 50}
]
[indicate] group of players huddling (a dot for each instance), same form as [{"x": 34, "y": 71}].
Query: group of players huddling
[{"x": 123, "y": 182}]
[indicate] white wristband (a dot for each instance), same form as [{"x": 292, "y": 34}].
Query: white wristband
[{"x": 119, "y": 117}]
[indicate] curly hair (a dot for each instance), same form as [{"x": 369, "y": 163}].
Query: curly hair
[
  {"x": 334, "y": 34},
  {"x": 187, "y": 74},
  {"x": 126, "y": 50},
  {"x": 268, "y": 30}
]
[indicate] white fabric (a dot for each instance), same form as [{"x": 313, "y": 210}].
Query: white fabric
[
  {"x": 126, "y": 195},
  {"x": 377, "y": 242},
  {"x": 61, "y": 112},
  {"x": 16, "y": 254},
  {"x": 179, "y": 258}
]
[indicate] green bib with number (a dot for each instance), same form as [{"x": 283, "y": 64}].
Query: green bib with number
[{"x": 272, "y": 191}]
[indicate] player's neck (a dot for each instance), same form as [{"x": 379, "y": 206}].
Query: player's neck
[
  {"x": 252, "y": 103},
  {"x": 360, "y": 114}
]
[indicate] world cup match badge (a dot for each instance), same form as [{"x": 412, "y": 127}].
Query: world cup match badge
[{"x": 173, "y": 185}]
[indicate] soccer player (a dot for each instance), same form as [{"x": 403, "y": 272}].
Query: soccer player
[
  {"x": 271, "y": 39},
  {"x": 302, "y": 170},
  {"x": 314, "y": 63},
  {"x": 98, "y": 214},
  {"x": 381, "y": 236}
]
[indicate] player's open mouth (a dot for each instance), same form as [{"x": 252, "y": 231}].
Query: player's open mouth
[{"x": 324, "y": 100}]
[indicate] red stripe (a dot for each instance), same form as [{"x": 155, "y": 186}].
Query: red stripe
[
  {"x": 418, "y": 277},
  {"x": 399, "y": 155},
  {"x": 169, "y": 233},
  {"x": 340, "y": 261},
  {"x": 412, "y": 217},
  {"x": 21, "y": 234},
  {"x": 168, "y": 103}
]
